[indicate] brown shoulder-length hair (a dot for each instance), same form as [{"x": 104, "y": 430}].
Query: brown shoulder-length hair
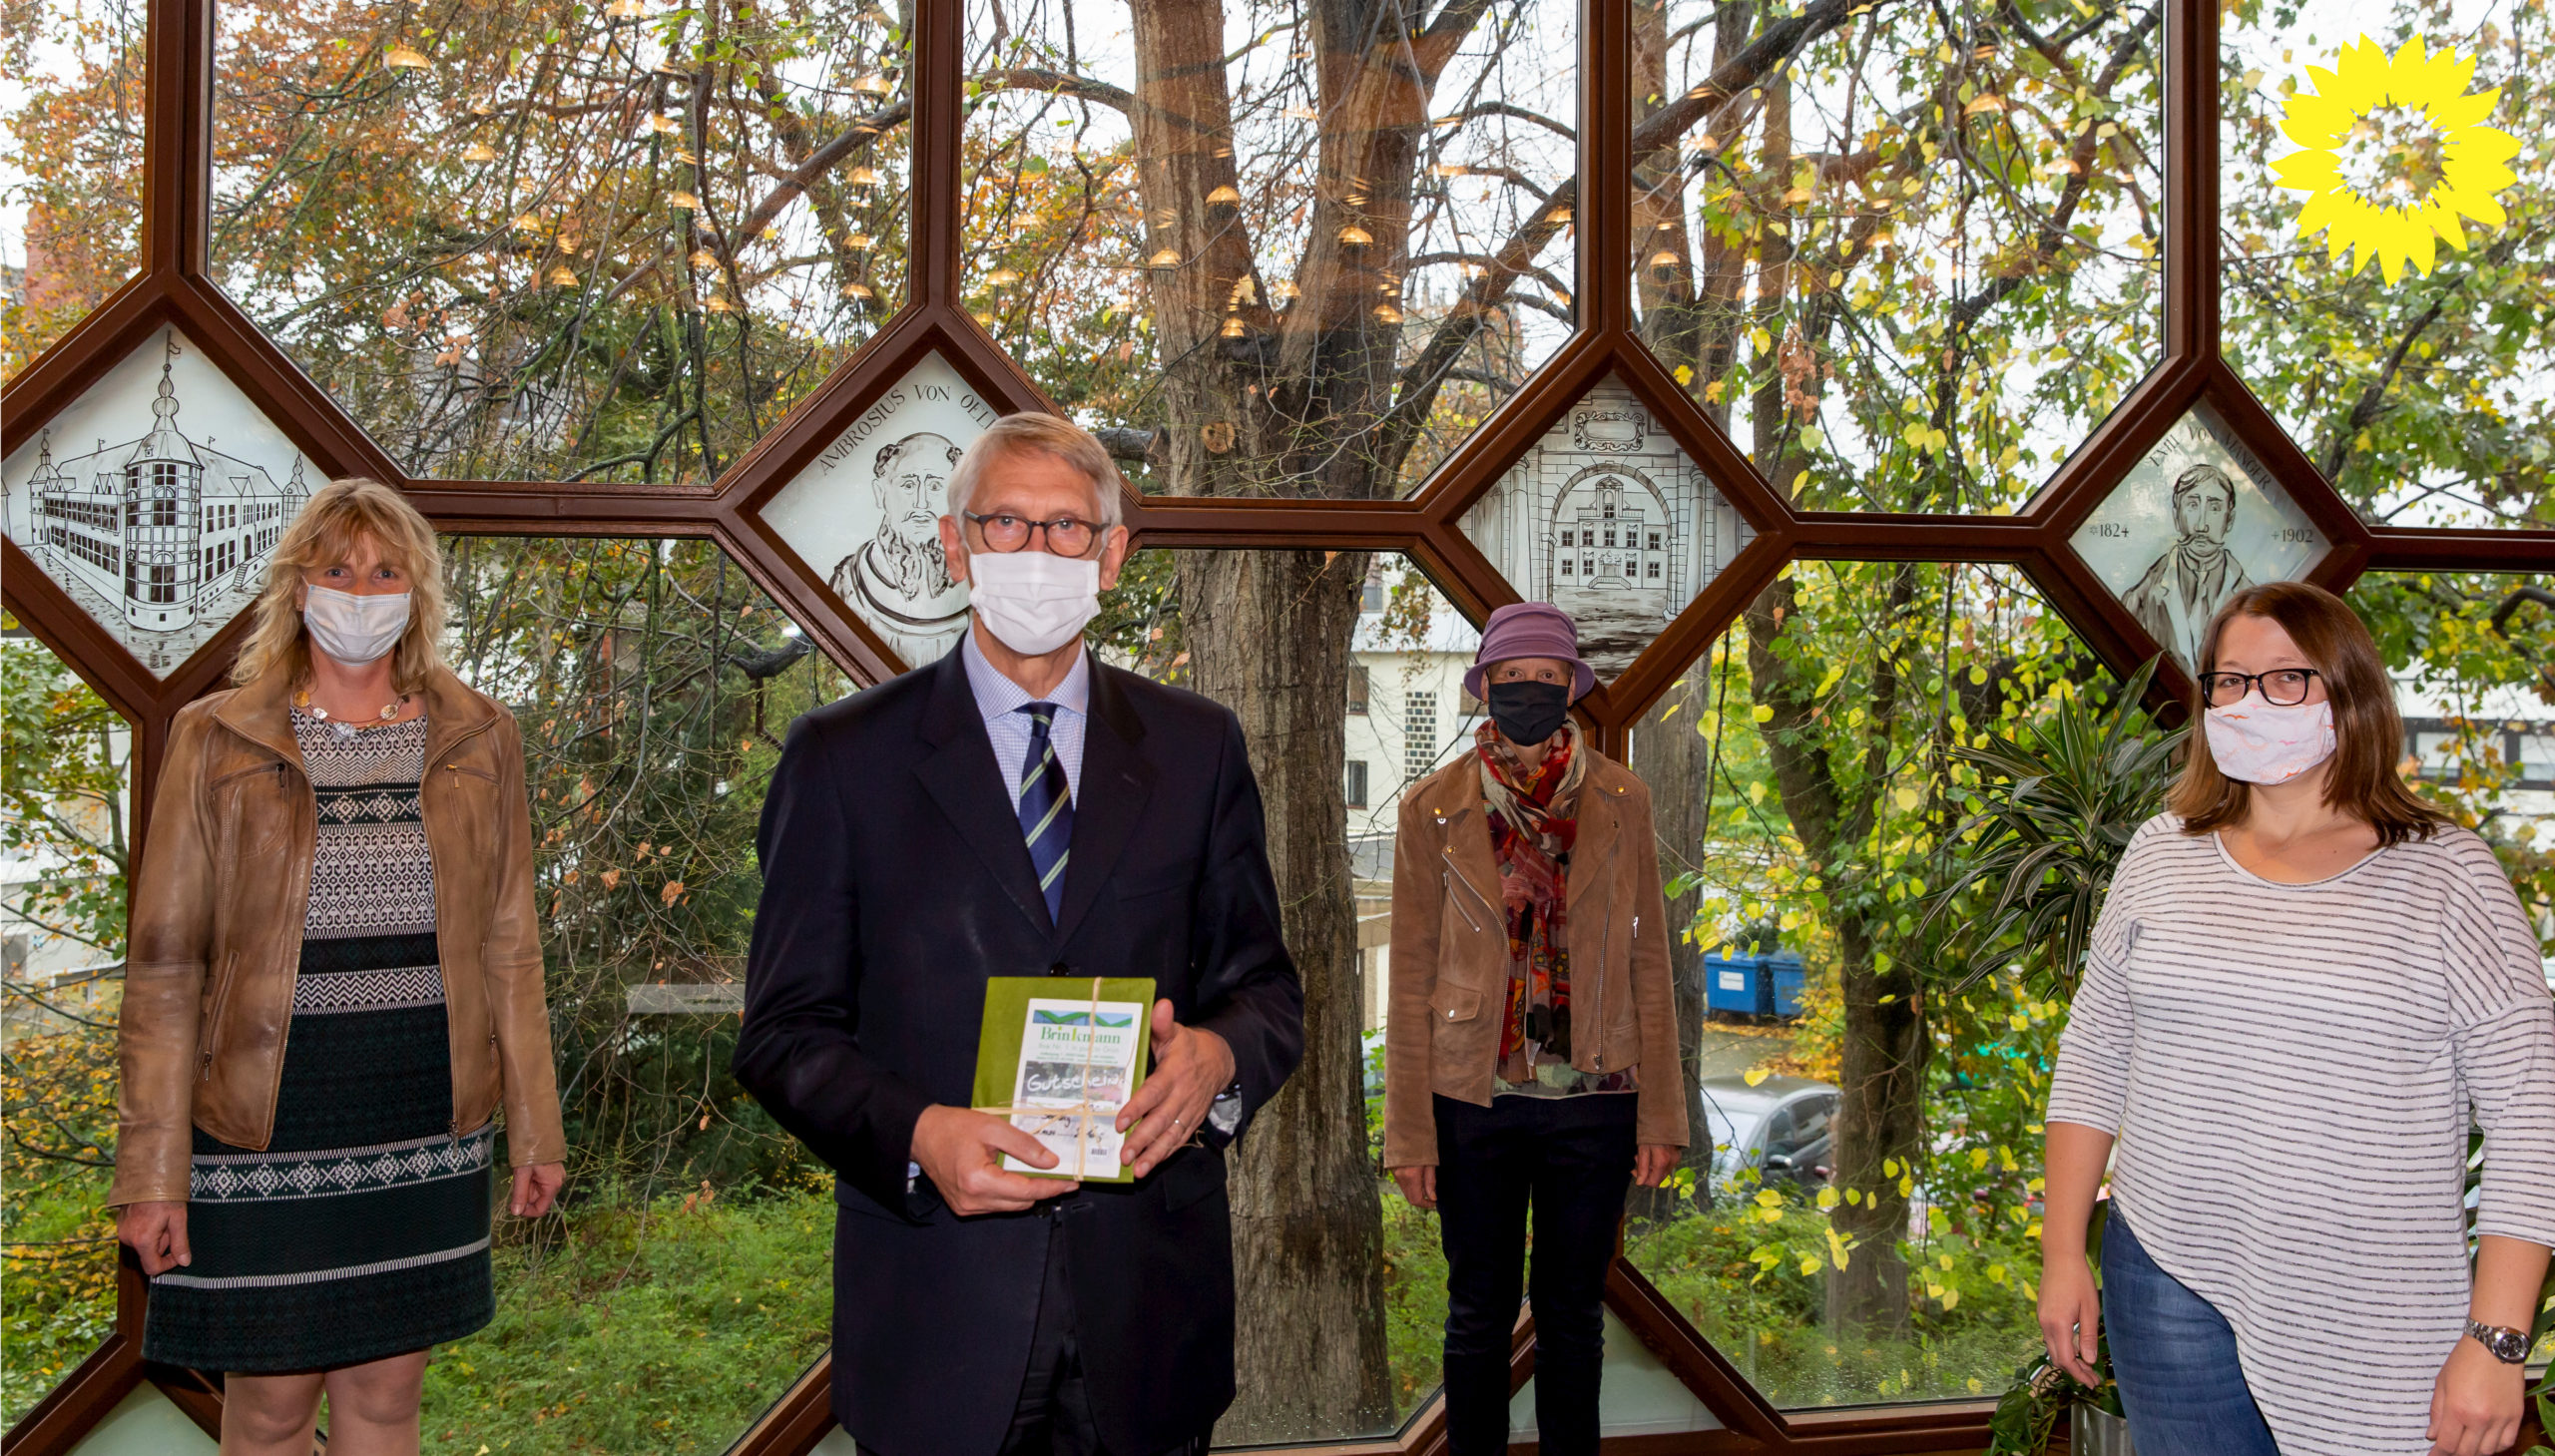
[
  {"x": 2368, "y": 736},
  {"x": 322, "y": 535}
]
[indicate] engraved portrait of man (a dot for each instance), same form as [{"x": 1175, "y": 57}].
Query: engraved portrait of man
[
  {"x": 2181, "y": 589},
  {"x": 899, "y": 577}
]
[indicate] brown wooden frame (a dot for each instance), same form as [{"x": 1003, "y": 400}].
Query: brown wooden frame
[{"x": 175, "y": 286}]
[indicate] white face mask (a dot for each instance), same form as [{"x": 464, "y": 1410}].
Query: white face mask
[
  {"x": 2261, "y": 742},
  {"x": 350, "y": 630},
  {"x": 1033, "y": 602}
]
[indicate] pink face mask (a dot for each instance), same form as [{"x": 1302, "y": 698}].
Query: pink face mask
[{"x": 2261, "y": 742}]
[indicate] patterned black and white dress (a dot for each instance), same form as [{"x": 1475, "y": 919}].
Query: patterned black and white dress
[{"x": 361, "y": 1232}]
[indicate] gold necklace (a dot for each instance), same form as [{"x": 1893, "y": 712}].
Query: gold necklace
[{"x": 389, "y": 711}]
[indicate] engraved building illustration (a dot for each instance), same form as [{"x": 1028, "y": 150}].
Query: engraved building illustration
[
  {"x": 164, "y": 531},
  {"x": 1607, "y": 519}
]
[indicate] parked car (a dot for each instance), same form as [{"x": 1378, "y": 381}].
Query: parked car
[{"x": 1781, "y": 1128}]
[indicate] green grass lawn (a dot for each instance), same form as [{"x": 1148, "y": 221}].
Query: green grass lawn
[{"x": 667, "y": 1329}]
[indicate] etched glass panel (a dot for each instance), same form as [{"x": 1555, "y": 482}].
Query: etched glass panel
[
  {"x": 156, "y": 498},
  {"x": 2196, "y": 520},
  {"x": 1608, "y": 518},
  {"x": 866, "y": 512}
]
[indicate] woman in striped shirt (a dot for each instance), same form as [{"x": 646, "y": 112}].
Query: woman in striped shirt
[{"x": 2305, "y": 988}]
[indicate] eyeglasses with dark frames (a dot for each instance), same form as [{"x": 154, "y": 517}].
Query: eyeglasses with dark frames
[
  {"x": 1065, "y": 535},
  {"x": 2281, "y": 686}
]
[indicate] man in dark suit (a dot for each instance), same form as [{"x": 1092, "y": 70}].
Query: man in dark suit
[{"x": 1019, "y": 809}]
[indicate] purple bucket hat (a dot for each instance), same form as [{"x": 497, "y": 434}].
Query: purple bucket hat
[{"x": 1529, "y": 630}]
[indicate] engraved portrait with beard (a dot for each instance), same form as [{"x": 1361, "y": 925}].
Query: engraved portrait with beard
[{"x": 900, "y": 578}]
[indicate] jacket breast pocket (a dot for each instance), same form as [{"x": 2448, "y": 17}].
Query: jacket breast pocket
[
  {"x": 1157, "y": 879},
  {"x": 257, "y": 814}
]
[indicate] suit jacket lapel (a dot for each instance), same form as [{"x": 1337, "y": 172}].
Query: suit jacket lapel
[
  {"x": 1116, "y": 781},
  {"x": 964, "y": 781}
]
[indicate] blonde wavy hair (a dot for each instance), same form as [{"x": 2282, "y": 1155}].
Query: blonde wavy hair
[{"x": 323, "y": 534}]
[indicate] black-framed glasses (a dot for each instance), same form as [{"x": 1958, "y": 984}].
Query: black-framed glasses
[
  {"x": 1065, "y": 535},
  {"x": 2281, "y": 686}
]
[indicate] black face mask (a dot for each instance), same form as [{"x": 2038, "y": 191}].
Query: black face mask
[{"x": 1528, "y": 713}]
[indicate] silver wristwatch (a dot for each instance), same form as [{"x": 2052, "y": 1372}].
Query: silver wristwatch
[{"x": 2510, "y": 1346}]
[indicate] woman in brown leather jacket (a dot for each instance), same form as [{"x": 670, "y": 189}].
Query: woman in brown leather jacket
[
  {"x": 1530, "y": 1048},
  {"x": 334, "y": 980}
]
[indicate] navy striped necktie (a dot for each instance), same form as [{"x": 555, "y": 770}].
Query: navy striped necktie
[{"x": 1046, "y": 809}]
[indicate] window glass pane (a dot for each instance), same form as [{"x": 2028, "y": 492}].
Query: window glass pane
[
  {"x": 563, "y": 241},
  {"x": 62, "y": 853},
  {"x": 2416, "y": 382},
  {"x": 2475, "y": 682},
  {"x": 1345, "y": 1297},
  {"x": 71, "y": 175},
  {"x": 1908, "y": 257},
  {"x": 1863, "y": 1228},
  {"x": 688, "y": 1279},
  {"x": 1282, "y": 248}
]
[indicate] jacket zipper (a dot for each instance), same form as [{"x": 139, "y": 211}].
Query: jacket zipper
[
  {"x": 220, "y": 1003},
  {"x": 1457, "y": 875},
  {"x": 1605, "y": 944}
]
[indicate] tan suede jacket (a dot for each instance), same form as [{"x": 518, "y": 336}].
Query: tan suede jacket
[
  {"x": 1449, "y": 970},
  {"x": 217, "y": 910}
]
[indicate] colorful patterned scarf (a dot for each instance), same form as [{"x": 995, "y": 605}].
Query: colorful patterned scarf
[{"x": 1534, "y": 818}]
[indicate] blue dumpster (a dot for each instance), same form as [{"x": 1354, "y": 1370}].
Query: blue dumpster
[{"x": 1748, "y": 984}]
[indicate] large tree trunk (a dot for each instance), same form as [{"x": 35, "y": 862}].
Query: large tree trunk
[
  {"x": 1269, "y": 631},
  {"x": 1674, "y": 760}
]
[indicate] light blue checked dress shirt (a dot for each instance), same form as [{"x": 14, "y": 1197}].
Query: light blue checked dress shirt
[{"x": 1000, "y": 699}]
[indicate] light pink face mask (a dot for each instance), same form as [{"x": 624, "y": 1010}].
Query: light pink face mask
[{"x": 2261, "y": 742}]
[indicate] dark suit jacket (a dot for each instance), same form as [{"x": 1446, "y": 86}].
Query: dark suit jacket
[{"x": 895, "y": 880}]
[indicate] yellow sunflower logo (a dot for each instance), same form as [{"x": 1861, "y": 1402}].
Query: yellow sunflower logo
[{"x": 2396, "y": 154}]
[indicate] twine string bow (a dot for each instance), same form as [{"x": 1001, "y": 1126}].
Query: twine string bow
[{"x": 1083, "y": 1109}]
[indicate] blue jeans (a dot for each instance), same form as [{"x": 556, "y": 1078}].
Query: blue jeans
[{"x": 2175, "y": 1357}]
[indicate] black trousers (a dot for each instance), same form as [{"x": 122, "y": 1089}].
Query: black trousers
[
  {"x": 1571, "y": 1160},
  {"x": 1053, "y": 1417}
]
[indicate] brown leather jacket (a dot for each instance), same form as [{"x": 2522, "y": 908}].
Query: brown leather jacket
[
  {"x": 218, "y": 911},
  {"x": 1449, "y": 970}
]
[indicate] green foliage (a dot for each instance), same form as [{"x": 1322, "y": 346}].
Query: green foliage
[
  {"x": 64, "y": 755},
  {"x": 2060, "y": 803},
  {"x": 57, "y": 1150}
]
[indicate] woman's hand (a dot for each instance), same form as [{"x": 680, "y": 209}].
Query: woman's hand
[
  {"x": 537, "y": 1186},
  {"x": 157, "y": 1232},
  {"x": 2071, "y": 1317},
  {"x": 2475, "y": 1403},
  {"x": 1654, "y": 1161},
  {"x": 1418, "y": 1184}
]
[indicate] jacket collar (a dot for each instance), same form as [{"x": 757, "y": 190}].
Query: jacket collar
[
  {"x": 1452, "y": 795},
  {"x": 262, "y": 713}
]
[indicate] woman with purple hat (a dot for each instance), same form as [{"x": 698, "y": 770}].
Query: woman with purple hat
[{"x": 1531, "y": 1045}]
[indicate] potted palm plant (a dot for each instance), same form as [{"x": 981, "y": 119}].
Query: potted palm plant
[{"x": 2057, "y": 808}]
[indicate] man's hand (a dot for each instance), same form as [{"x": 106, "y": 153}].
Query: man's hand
[
  {"x": 2475, "y": 1403},
  {"x": 961, "y": 1150},
  {"x": 1191, "y": 1065},
  {"x": 1654, "y": 1161},
  {"x": 157, "y": 1232},
  {"x": 537, "y": 1186},
  {"x": 1418, "y": 1185}
]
